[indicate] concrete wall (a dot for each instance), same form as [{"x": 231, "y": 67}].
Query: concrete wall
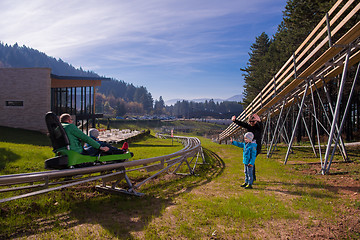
[{"x": 32, "y": 88}]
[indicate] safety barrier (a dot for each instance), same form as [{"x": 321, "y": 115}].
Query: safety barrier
[{"x": 109, "y": 173}]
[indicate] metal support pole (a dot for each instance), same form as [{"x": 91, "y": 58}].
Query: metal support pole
[
  {"x": 344, "y": 116},
  {"x": 278, "y": 135},
  {"x": 276, "y": 129},
  {"x": 264, "y": 133},
  {"x": 294, "y": 60},
  {"x": 308, "y": 133},
  {"x": 266, "y": 130},
  {"x": 328, "y": 29},
  {"x": 342, "y": 145},
  {"x": 283, "y": 129},
  {"x": 269, "y": 129},
  {"x": 274, "y": 86},
  {"x": 316, "y": 124},
  {"x": 297, "y": 122},
  {"x": 286, "y": 139},
  {"x": 326, "y": 168}
]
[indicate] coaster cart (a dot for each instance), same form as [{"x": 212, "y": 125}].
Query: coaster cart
[{"x": 66, "y": 158}]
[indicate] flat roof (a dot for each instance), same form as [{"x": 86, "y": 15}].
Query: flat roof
[
  {"x": 78, "y": 78},
  {"x": 75, "y": 81}
]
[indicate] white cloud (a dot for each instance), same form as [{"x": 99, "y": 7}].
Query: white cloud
[
  {"x": 118, "y": 35},
  {"x": 65, "y": 25}
]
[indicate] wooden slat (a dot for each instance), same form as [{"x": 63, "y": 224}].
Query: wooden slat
[
  {"x": 269, "y": 87},
  {"x": 287, "y": 71}
]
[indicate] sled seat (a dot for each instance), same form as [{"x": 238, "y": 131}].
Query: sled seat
[{"x": 66, "y": 158}]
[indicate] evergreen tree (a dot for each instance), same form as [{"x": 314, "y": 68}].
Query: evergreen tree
[
  {"x": 144, "y": 97},
  {"x": 256, "y": 73},
  {"x": 130, "y": 93},
  {"x": 300, "y": 18},
  {"x": 159, "y": 106},
  {"x": 120, "y": 108}
]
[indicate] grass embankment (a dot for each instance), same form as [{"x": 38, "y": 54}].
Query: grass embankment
[
  {"x": 180, "y": 127},
  {"x": 288, "y": 201}
]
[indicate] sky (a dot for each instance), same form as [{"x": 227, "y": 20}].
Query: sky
[{"x": 177, "y": 49}]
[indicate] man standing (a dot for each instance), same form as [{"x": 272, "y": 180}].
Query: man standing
[{"x": 254, "y": 125}]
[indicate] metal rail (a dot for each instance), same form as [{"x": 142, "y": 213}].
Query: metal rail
[
  {"x": 58, "y": 179},
  {"x": 312, "y": 66}
]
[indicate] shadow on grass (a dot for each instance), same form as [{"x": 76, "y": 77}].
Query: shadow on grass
[
  {"x": 7, "y": 156},
  {"x": 303, "y": 189},
  {"x": 121, "y": 216},
  {"x": 22, "y": 136}
]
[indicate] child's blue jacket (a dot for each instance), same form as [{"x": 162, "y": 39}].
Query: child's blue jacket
[{"x": 249, "y": 153}]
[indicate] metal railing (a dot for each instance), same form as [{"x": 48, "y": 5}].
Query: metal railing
[{"x": 58, "y": 179}]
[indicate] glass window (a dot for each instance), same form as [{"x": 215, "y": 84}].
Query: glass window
[{"x": 14, "y": 103}]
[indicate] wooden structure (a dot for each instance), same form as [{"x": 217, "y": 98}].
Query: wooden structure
[{"x": 324, "y": 58}]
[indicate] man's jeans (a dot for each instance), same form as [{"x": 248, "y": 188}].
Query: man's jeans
[{"x": 249, "y": 174}]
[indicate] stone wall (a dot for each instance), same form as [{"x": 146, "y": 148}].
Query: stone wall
[{"x": 25, "y": 97}]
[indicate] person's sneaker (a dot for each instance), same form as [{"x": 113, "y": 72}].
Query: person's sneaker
[
  {"x": 248, "y": 186},
  {"x": 243, "y": 185},
  {"x": 125, "y": 146}
]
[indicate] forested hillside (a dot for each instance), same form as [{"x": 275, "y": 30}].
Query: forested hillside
[
  {"x": 22, "y": 56},
  {"x": 115, "y": 97}
]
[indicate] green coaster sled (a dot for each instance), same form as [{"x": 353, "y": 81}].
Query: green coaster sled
[{"x": 66, "y": 158}]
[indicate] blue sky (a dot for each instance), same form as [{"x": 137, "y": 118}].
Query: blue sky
[{"x": 185, "y": 49}]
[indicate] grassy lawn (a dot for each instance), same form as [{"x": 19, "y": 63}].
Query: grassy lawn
[{"x": 290, "y": 201}]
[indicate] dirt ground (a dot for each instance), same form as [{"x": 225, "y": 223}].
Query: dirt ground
[{"x": 346, "y": 225}]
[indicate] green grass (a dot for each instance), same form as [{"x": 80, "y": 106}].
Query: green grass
[
  {"x": 151, "y": 146},
  {"x": 23, "y": 158},
  {"x": 247, "y": 207},
  {"x": 180, "y": 127},
  {"x": 24, "y": 214},
  {"x": 15, "y": 135},
  {"x": 210, "y": 203}
]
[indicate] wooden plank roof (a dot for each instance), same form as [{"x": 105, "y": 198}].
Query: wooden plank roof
[{"x": 75, "y": 81}]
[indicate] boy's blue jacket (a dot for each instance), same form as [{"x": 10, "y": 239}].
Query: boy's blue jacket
[{"x": 249, "y": 153}]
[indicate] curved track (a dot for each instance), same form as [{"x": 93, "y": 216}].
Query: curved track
[{"x": 58, "y": 179}]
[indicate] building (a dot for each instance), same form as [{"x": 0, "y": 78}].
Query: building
[{"x": 27, "y": 94}]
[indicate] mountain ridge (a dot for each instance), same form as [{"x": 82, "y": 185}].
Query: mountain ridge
[{"x": 235, "y": 98}]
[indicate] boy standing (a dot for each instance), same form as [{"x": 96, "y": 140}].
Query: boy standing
[{"x": 249, "y": 155}]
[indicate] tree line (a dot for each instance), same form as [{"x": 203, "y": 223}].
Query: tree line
[{"x": 186, "y": 109}]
